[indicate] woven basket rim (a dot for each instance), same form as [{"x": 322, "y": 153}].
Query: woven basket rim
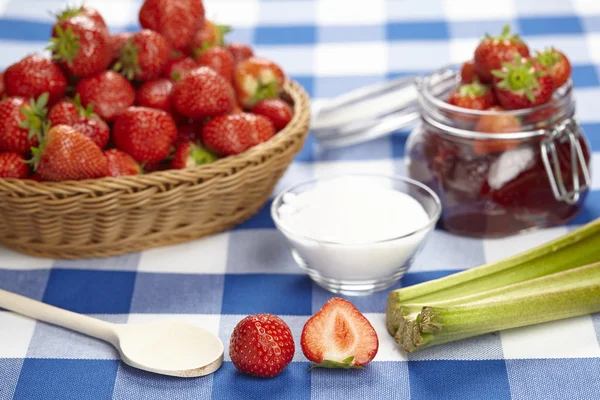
[{"x": 301, "y": 115}]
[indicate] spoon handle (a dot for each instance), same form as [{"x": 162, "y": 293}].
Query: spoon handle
[{"x": 57, "y": 316}]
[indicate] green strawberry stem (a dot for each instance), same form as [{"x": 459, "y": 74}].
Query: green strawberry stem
[
  {"x": 65, "y": 46},
  {"x": 265, "y": 91},
  {"x": 201, "y": 156},
  {"x": 67, "y": 13},
  {"x": 473, "y": 89},
  {"x": 548, "y": 57},
  {"x": 36, "y": 115},
  {"x": 519, "y": 77},
  {"x": 557, "y": 296},
  {"x": 128, "y": 64},
  {"x": 222, "y": 31},
  {"x": 578, "y": 248},
  {"x": 505, "y": 35},
  {"x": 344, "y": 364}
]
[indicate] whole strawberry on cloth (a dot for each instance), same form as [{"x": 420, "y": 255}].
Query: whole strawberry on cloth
[
  {"x": 22, "y": 123},
  {"x": 66, "y": 154},
  {"x": 81, "y": 45},
  {"x": 144, "y": 56},
  {"x": 261, "y": 345},
  {"x": 492, "y": 52},
  {"x": 339, "y": 336},
  {"x": 176, "y": 20},
  {"x": 34, "y": 75}
]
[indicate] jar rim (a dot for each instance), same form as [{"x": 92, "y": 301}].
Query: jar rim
[{"x": 451, "y": 72}]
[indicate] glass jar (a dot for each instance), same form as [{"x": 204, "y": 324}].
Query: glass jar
[{"x": 532, "y": 172}]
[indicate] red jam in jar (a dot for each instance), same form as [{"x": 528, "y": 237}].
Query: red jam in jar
[{"x": 535, "y": 173}]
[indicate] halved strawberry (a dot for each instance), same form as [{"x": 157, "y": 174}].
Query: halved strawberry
[{"x": 339, "y": 336}]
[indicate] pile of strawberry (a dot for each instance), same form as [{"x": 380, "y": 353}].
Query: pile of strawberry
[
  {"x": 173, "y": 95},
  {"x": 337, "y": 336},
  {"x": 503, "y": 75}
]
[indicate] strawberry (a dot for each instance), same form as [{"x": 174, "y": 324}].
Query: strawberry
[
  {"x": 496, "y": 122},
  {"x": 144, "y": 133},
  {"x": 71, "y": 112},
  {"x": 34, "y": 75},
  {"x": 93, "y": 128},
  {"x": 257, "y": 79},
  {"x": 189, "y": 132},
  {"x": 467, "y": 72},
  {"x": 276, "y": 110},
  {"x": 176, "y": 20},
  {"x": 21, "y": 123},
  {"x": 109, "y": 92},
  {"x": 219, "y": 59},
  {"x": 121, "y": 164},
  {"x": 474, "y": 96},
  {"x": 89, "y": 12},
  {"x": 261, "y": 345},
  {"x": 177, "y": 67},
  {"x": 65, "y": 112},
  {"x": 155, "y": 94},
  {"x": 557, "y": 64},
  {"x": 522, "y": 84},
  {"x": 339, "y": 336},
  {"x": 263, "y": 129},
  {"x": 2, "y": 87},
  {"x": 13, "y": 165},
  {"x": 144, "y": 56},
  {"x": 81, "y": 46},
  {"x": 239, "y": 51},
  {"x": 202, "y": 93},
  {"x": 189, "y": 154},
  {"x": 209, "y": 35},
  {"x": 118, "y": 42},
  {"x": 228, "y": 134},
  {"x": 493, "y": 51},
  {"x": 66, "y": 154}
]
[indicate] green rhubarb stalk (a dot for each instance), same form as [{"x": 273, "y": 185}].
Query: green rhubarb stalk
[
  {"x": 580, "y": 247},
  {"x": 561, "y": 295}
]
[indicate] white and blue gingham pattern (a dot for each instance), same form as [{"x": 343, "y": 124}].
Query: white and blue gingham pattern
[{"x": 329, "y": 46}]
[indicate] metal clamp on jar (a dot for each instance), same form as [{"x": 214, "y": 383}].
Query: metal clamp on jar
[{"x": 531, "y": 173}]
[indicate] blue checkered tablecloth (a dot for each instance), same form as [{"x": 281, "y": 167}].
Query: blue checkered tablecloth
[{"x": 329, "y": 46}]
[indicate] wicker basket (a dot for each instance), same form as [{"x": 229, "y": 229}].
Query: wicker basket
[{"x": 111, "y": 216}]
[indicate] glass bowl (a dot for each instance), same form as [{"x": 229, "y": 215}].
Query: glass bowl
[{"x": 356, "y": 268}]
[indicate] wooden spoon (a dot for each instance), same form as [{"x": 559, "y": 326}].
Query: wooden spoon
[{"x": 173, "y": 348}]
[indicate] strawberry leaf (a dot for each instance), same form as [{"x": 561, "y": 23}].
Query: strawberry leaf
[{"x": 65, "y": 46}]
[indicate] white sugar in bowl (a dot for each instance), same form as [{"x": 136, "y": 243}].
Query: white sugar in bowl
[{"x": 356, "y": 234}]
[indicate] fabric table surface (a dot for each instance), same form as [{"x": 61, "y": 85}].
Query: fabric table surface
[{"x": 329, "y": 46}]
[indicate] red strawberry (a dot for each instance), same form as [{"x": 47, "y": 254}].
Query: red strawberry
[
  {"x": 189, "y": 154},
  {"x": 93, "y": 128},
  {"x": 339, "y": 336},
  {"x": 2, "y": 87},
  {"x": 498, "y": 123},
  {"x": 276, "y": 110},
  {"x": 219, "y": 59},
  {"x": 71, "y": 112},
  {"x": 239, "y": 51},
  {"x": 33, "y": 76},
  {"x": 176, "y": 20},
  {"x": 83, "y": 47},
  {"x": 228, "y": 134},
  {"x": 202, "y": 93},
  {"x": 66, "y": 154},
  {"x": 261, "y": 345},
  {"x": 474, "y": 96},
  {"x": 522, "y": 84},
  {"x": 263, "y": 129},
  {"x": 209, "y": 35},
  {"x": 144, "y": 56},
  {"x": 109, "y": 92},
  {"x": 89, "y": 12},
  {"x": 257, "y": 79},
  {"x": 557, "y": 64},
  {"x": 21, "y": 123},
  {"x": 493, "y": 51},
  {"x": 467, "y": 72},
  {"x": 121, "y": 164},
  {"x": 177, "y": 67},
  {"x": 118, "y": 42},
  {"x": 144, "y": 133},
  {"x": 155, "y": 94},
  {"x": 13, "y": 165},
  {"x": 189, "y": 132},
  {"x": 65, "y": 112}
]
